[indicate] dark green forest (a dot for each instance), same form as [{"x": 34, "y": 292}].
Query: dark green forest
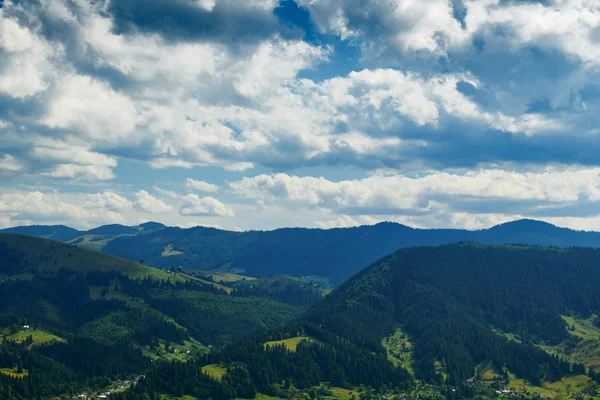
[
  {"x": 462, "y": 306},
  {"x": 453, "y": 300},
  {"x": 336, "y": 254}
]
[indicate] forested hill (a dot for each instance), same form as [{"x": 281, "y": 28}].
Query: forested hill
[
  {"x": 465, "y": 318},
  {"x": 456, "y": 301},
  {"x": 74, "y": 320},
  {"x": 334, "y": 253}
]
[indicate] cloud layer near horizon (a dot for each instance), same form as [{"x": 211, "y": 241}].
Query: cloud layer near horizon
[{"x": 316, "y": 113}]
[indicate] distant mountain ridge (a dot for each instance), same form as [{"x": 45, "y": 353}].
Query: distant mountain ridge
[{"x": 335, "y": 253}]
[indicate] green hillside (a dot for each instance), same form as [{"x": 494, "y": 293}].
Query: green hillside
[
  {"x": 455, "y": 321},
  {"x": 24, "y": 256},
  {"x": 328, "y": 256},
  {"x": 333, "y": 254},
  {"x": 75, "y": 321}
]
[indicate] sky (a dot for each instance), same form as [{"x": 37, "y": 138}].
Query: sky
[{"x": 259, "y": 114}]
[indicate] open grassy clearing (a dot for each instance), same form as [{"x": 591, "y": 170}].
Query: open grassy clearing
[
  {"x": 521, "y": 386},
  {"x": 12, "y": 372},
  {"x": 92, "y": 242},
  {"x": 169, "y": 397},
  {"x": 583, "y": 328},
  {"x": 565, "y": 388},
  {"x": 584, "y": 347},
  {"x": 169, "y": 252},
  {"x": 290, "y": 344},
  {"x": 226, "y": 277},
  {"x": 399, "y": 349},
  {"x": 39, "y": 337},
  {"x": 177, "y": 352},
  {"x": 487, "y": 373},
  {"x": 260, "y": 396},
  {"x": 340, "y": 393},
  {"x": 568, "y": 385},
  {"x": 215, "y": 370}
]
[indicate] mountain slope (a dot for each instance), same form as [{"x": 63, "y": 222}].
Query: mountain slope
[
  {"x": 60, "y": 233},
  {"x": 453, "y": 300},
  {"x": 22, "y": 254},
  {"x": 463, "y": 313},
  {"x": 335, "y": 253},
  {"x": 73, "y": 320}
]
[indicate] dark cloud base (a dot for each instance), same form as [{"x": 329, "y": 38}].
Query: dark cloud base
[{"x": 179, "y": 20}]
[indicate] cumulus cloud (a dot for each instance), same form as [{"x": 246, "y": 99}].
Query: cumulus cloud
[
  {"x": 194, "y": 184},
  {"x": 441, "y": 27},
  {"x": 80, "y": 210},
  {"x": 26, "y": 58},
  {"x": 488, "y": 88},
  {"x": 9, "y": 164},
  {"x": 148, "y": 94},
  {"x": 108, "y": 200},
  {"x": 151, "y": 204},
  {"x": 518, "y": 193},
  {"x": 92, "y": 109},
  {"x": 195, "y": 205}
]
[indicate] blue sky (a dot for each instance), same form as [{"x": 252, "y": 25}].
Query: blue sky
[{"x": 320, "y": 113}]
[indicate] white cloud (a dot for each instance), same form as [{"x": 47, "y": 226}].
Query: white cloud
[
  {"x": 397, "y": 194},
  {"x": 27, "y": 59},
  {"x": 81, "y": 99},
  {"x": 92, "y": 109},
  {"x": 151, "y": 204},
  {"x": 108, "y": 200},
  {"x": 417, "y": 28},
  {"x": 347, "y": 221},
  {"x": 10, "y": 164},
  {"x": 193, "y": 184},
  {"x": 274, "y": 63},
  {"x": 21, "y": 208},
  {"x": 86, "y": 172},
  {"x": 195, "y": 205},
  {"x": 564, "y": 25},
  {"x": 61, "y": 152},
  {"x": 165, "y": 192}
]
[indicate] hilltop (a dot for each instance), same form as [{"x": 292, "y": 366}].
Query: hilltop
[
  {"x": 456, "y": 321},
  {"x": 328, "y": 254}
]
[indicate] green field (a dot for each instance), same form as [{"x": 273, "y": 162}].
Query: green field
[
  {"x": 226, "y": 277},
  {"x": 12, "y": 372},
  {"x": 586, "y": 348},
  {"x": 92, "y": 242},
  {"x": 168, "y": 397},
  {"x": 340, "y": 393},
  {"x": 38, "y": 336},
  {"x": 291, "y": 343},
  {"x": 215, "y": 370},
  {"x": 399, "y": 349},
  {"x": 169, "y": 252}
]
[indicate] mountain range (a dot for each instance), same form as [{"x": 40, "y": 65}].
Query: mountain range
[
  {"x": 333, "y": 254},
  {"x": 454, "y": 321}
]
